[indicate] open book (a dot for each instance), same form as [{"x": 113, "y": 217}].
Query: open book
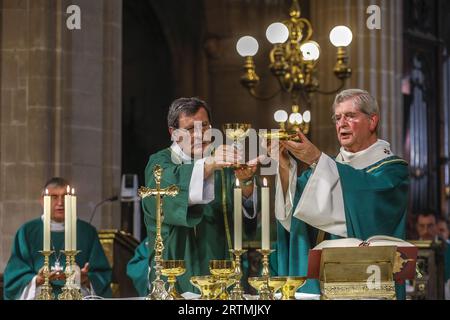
[
  {"x": 406, "y": 253},
  {"x": 372, "y": 241}
]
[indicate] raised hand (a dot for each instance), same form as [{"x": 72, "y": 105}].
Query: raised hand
[{"x": 304, "y": 150}]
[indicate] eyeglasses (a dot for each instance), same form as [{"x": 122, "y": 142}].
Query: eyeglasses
[
  {"x": 191, "y": 130},
  {"x": 347, "y": 117}
]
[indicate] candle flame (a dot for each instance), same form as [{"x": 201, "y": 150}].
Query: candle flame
[
  {"x": 68, "y": 189},
  {"x": 265, "y": 182},
  {"x": 46, "y": 192},
  {"x": 237, "y": 183},
  {"x": 73, "y": 191}
]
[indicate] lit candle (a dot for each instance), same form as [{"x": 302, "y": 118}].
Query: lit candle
[
  {"x": 47, "y": 216},
  {"x": 265, "y": 216},
  {"x": 237, "y": 217},
  {"x": 73, "y": 212},
  {"x": 67, "y": 220}
]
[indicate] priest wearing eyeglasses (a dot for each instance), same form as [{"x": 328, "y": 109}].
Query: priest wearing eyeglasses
[
  {"x": 360, "y": 192},
  {"x": 198, "y": 222}
]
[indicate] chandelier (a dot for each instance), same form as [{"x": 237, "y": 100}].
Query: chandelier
[{"x": 293, "y": 61}]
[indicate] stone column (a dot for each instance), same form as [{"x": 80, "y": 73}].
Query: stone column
[
  {"x": 376, "y": 61},
  {"x": 61, "y": 108}
]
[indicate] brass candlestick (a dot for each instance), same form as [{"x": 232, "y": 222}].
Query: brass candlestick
[
  {"x": 46, "y": 289},
  {"x": 265, "y": 293},
  {"x": 238, "y": 292},
  {"x": 71, "y": 290},
  {"x": 158, "y": 285}
]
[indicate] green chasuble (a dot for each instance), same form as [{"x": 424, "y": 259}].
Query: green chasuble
[
  {"x": 375, "y": 203},
  {"x": 197, "y": 233},
  {"x": 25, "y": 260}
]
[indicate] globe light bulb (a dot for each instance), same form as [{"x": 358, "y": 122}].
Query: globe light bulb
[
  {"x": 341, "y": 36},
  {"x": 280, "y": 116},
  {"x": 247, "y": 46},
  {"x": 310, "y": 51},
  {"x": 277, "y": 33},
  {"x": 307, "y": 116},
  {"x": 295, "y": 118}
]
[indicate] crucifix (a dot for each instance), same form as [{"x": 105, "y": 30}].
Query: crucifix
[{"x": 158, "y": 285}]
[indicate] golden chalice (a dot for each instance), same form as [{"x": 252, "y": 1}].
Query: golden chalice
[
  {"x": 291, "y": 286},
  {"x": 223, "y": 271},
  {"x": 209, "y": 287},
  {"x": 172, "y": 269},
  {"x": 275, "y": 283},
  {"x": 237, "y": 132}
]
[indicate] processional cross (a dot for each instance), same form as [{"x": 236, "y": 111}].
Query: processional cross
[{"x": 158, "y": 285}]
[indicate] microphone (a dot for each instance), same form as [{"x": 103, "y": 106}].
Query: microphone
[{"x": 111, "y": 199}]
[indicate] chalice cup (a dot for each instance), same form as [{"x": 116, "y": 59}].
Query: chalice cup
[
  {"x": 209, "y": 287},
  {"x": 291, "y": 286},
  {"x": 237, "y": 132},
  {"x": 172, "y": 269},
  {"x": 275, "y": 283},
  {"x": 223, "y": 271}
]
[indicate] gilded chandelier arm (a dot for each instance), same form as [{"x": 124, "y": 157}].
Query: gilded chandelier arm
[
  {"x": 341, "y": 86},
  {"x": 253, "y": 93}
]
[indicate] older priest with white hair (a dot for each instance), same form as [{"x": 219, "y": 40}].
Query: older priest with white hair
[{"x": 359, "y": 193}]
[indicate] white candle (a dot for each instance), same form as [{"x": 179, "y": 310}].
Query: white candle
[
  {"x": 73, "y": 212},
  {"x": 237, "y": 217},
  {"x": 47, "y": 216},
  {"x": 265, "y": 216},
  {"x": 67, "y": 221}
]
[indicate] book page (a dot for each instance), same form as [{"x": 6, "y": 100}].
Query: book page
[
  {"x": 338, "y": 243},
  {"x": 382, "y": 240},
  {"x": 378, "y": 240}
]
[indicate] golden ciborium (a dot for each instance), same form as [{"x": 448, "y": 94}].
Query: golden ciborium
[
  {"x": 291, "y": 286},
  {"x": 237, "y": 132},
  {"x": 209, "y": 286},
  {"x": 223, "y": 271},
  {"x": 172, "y": 269},
  {"x": 275, "y": 284}
]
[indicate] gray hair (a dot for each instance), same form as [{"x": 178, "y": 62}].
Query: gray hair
[
  {"x": 55, "y": 182},
  {"x": 187, "y": 106},
  {"x": 361, "y": 99}
]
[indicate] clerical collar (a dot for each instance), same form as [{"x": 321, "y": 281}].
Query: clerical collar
[
  {"x": 364, "y": 158},
  {"x": 55, "y": 226}
]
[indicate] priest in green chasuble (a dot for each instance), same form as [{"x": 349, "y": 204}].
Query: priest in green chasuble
[
  {"x": 198, "y": 222},
  {"x": 23, "y": 276},
  {"x": 360, "y": 193}
]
